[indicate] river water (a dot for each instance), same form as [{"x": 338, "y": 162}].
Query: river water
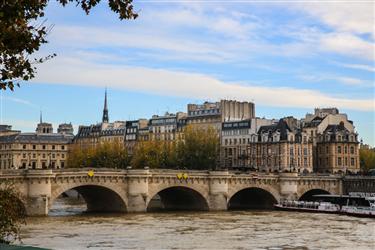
[{"x": 67, "y": 228}]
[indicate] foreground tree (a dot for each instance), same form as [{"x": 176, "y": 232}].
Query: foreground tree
[
  {"x": 12, "y": 214},
  {"x": 22, "y": 32}
]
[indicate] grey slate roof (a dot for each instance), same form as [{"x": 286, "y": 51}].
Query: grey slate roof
[
  {"x": 36, "y": 138},
  {"x": 281, "y": 126}
]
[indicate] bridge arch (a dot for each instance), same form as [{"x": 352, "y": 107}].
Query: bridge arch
[
  {"x": 307, "y": 195},
  {"x": 98, "y": 197},
  {"x": 253, "y": 197},
  {"x": 177, "y": 198}
]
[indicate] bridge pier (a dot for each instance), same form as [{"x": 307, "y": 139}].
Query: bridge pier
[
  {"x": 39, "y": 192},
  {"x": 137, "y": 190},
  {"x": 289, "y": 186},
  {"x": 218, "y": 195}
]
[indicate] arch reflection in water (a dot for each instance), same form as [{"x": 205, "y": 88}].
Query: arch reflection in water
[
  {"x": 177, "y": 198},
  {"x": 252, "y": 198},
  {"x": 87, "y": 198},
  {"x": 309, "y": 195}
]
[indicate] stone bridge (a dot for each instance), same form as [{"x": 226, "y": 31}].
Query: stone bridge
[{"x": 141, "y": 190}]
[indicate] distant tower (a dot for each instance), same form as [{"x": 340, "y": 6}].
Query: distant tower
[
  {"x": 44, "y": 127},
  {"x": 105, "y": 118}
]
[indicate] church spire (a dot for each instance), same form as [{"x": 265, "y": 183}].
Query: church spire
[
  {"x": 105, "y": 118},
  {"x": 41, "y": 117}
]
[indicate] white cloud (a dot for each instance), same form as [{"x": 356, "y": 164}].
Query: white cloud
[
  {"x": 347, "y": 44},
  {"x": 340, "y": 79},
  {"x": 358, "y": 66},
  {"x": 18, "y": 100},
  {"x": 354, "y": 17},
  {"x": 183, "y": 84},
  {"x": 350, "y": 23}
]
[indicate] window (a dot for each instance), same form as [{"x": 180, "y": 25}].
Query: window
[
  {"x": 34, "y": 155},
  {"x": 44, "y": 147},
  {"x": 345, "y": 149},
  {"x": 62, "y": 164},
  {"x": 352, "y": 161},
  {"x": 44, "y": 155},
  {"x": 352, "y": 150},
  {"x": 24, "y": 146},
  {"x": 339, "y": 149},
  {"x": 34, "y": 146},
  {"x": 62, "y": 156},
  {"x": 53, "y": 155},
  {"x": 53, "y": 146},
  {"x": 305, "y": 151},
  {"x": 24, "y": 155},
  {"x": 339, "y": 161}
]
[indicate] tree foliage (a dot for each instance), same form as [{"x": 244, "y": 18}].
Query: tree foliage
[
  {"x": 367, "y": 159},
  {"x": 22, "y": 32},
  {"x": 12, "y": 214},
  {"x": 104, "y": 155},
  {"x": 155, "y": 154},
  {"x": 199, "y": 149}
]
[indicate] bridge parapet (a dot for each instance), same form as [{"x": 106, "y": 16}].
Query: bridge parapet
[{"x": 359, "y": 184}]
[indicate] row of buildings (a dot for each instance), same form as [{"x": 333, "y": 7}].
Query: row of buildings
[{"x": 324, "y": 141}]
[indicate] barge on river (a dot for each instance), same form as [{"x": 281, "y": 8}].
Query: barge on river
[{"x": 336, "y": 204}]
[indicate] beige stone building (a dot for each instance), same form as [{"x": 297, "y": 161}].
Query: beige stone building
[
  {"x": 212, "y": 114},
  {"x": 279, "y": 148},
  {"x": 235, "y": 138},
  {"x": 40, "y": 150},
  {"x": 134, "y": 133},
  {"x": 168, "y": 127},
  {"x": 337, "y": 150},
  {"x": 265, "y": 145},
  {"x": 323, "y": 127}
]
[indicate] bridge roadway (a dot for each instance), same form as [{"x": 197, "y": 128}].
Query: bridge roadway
[{"x": 141, "y": 190}]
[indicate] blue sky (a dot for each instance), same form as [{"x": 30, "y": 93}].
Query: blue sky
[{"x": 286, "y": 56}]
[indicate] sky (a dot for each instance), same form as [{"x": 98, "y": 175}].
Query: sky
[{"x": 288, "y": 57}]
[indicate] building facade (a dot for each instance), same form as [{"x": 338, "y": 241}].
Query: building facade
[
  {"x": 213, "y": 114},
  {"x": 40, "y": 150},
  {"x": 168, "y": 127},
  {"x": 337, "y": 150},
  {"x": 133, "y": 133},
  {"x": 235, "y": 138}
]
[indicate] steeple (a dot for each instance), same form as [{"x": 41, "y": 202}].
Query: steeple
[
  {"x": 41, "y": 118},
  {"x": 105, "y": 118}
]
